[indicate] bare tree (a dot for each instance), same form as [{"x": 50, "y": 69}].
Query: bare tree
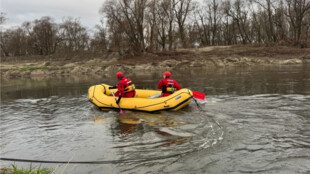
[
  {"x": 137, "y": 26},
  {"x": 182, "y": 9},
  {"x": 2, "y": 41},
  {"x": 74, "y": 36},
  {"x": 99, "y": 41},
  {"x": 129, "y": 16},
  {"x": 14, "y": 42},
  {"x": 268, "y": 6},
  {"x": 239, "y": 14},
  {"x": 151, "y": 25},
  {"x": 169, "y": 11},
  {"x": 162, "y": 23},
  {"x": 2, "y": 18},
  {"x": 214, "y": 18},
  {"x": 280, "y": 22},
  {"x": 201, "y": 21},
  {"x": 5, "y": 39},
  {"x": 44, "y": 34},
  {"x": 296, "y": 11}
]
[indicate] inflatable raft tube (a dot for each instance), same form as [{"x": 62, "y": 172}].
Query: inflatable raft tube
[{"x": 101, "y": 96}]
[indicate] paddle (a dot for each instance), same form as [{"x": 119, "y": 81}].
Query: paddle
[
  {"x": 120, "y": 109},
  {"x": 198, "y": 106},
  {"x": 203, "y": 111},
  {"x": 199, "y": 95}
]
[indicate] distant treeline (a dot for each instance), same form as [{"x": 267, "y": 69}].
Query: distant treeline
[{"x": 136, "y": 26}]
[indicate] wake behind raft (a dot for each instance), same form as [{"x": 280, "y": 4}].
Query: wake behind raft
[{"x": 101, "y": 96}]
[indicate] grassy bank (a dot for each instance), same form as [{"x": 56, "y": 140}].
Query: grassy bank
[
  {"x": 31, "y": 68},
  {"x": 206, "y": 57},
  {"x": 14, "y": 169}
]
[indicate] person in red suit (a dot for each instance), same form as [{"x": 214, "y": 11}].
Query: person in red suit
[
  {"x": 168, "y": 85},
  {"x": 125, "y": 87}
]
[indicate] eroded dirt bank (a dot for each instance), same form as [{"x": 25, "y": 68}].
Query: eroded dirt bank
[{"x": 183, "y": 59}]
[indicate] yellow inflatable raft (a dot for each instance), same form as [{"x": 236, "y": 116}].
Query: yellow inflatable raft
[{"x": 101, "y": 96}]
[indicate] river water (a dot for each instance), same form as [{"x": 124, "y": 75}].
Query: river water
[{"x": 256, "y": 120}]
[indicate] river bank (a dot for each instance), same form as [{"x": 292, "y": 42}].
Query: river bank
[{"x": 181, "y": 59}]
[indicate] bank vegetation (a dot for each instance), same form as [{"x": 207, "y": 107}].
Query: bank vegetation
[{"x": 135, "y": 27}]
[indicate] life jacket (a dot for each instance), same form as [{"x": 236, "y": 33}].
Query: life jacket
[
  {"x": 129, "y": 87},
  {"x": 169, "y": 87}
]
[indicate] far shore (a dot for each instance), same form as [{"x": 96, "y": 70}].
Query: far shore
[{"x": 181, "y": 59}]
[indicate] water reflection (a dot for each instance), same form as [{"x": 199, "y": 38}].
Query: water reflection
[
  {"x": 98, "y": 121},
  {"x": 143, "y": 122},
  {"x": 230, "y": 80}
]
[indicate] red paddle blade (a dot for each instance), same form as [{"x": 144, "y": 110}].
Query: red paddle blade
[
  {"x": 199, "y": 95},
  {"x": 122, "y": 112}
]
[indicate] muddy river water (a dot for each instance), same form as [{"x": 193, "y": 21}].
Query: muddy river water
[{"x": 256, "y": 120}]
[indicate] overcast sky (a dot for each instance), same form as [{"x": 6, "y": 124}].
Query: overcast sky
[{"x": 19, "y": 11}]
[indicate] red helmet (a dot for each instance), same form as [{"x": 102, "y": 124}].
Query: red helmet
[
  {"x": 119, "y": 74},
  {"x": 168, "y": 74}
]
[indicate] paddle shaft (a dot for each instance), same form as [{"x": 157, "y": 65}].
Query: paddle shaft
[
  {"x": 198, "y": 106},
  {"x": 117, "y": 103},
  {"x": 201, "y": 110}
]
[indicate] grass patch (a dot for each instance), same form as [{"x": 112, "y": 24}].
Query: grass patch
[
  {"x": 30, "y": 170},
  {"x": 32, "y": 68}
]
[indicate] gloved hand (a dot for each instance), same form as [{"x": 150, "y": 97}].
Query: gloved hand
[
  {"x": 119, "y": 99},
  {"x": 112, "y": 87}
]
